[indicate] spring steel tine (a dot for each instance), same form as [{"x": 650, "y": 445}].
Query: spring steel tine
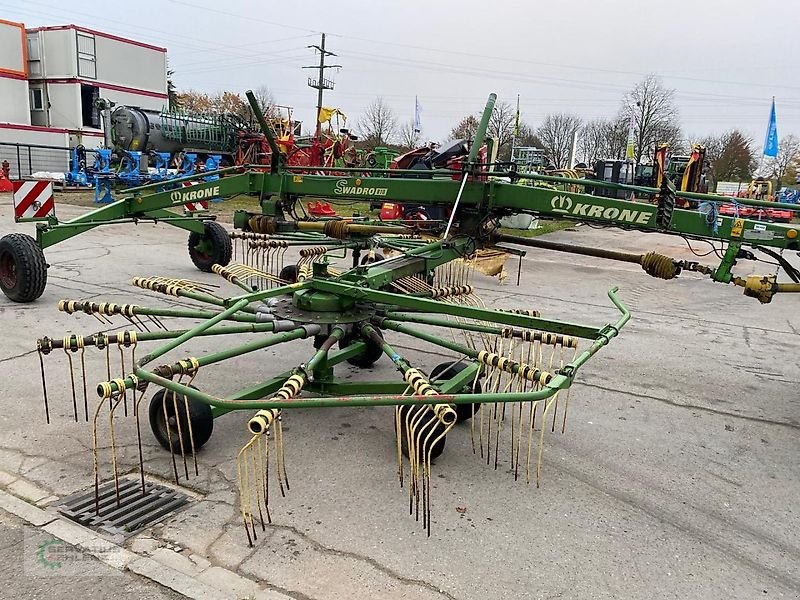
[
  {"x": 416, "y": 439},
  {"x": 428, "y": 428},
  {"x": 114, "y": 447},
  {"x": 278, "y": 463},
  {"x": 426, "y": 480},
  {"x": 180, "y": 430},
  {"x": 410, "y": 450},
  {"x": 266, "y": 470},
  {"x": 102, "y": 319},
  {"x": 83, "y": 378},
  {"x": 264, "y": 480},
  {"x": 130, "y": 320},
  {"x": 501, "y": 419},
  {"x": 124, "y": 393},
  {"x": 158, "y": 322},
  {"x": 139, "y": 437},
  {"x": 108, "y": 368},
  {"x": 399, "y": 443},
  {"x": 257, "y": 485},
  {"x": 72, "y": 382},
  {"x": 428, "y": 469},
  {"x": 141, "y": 323},
  {"x": 44, "y": 387},
  {"x": 189, "y": 423},
  {"x": 240, "y": 480},
  {"x": 248, "y": 488},
  {"x": 531, "y": 427},
  {"x": 95, "y": 464},
  {"x": 169, "y": 437},
  {"x": 282, "y": 450},
  {"x": 413, "y": 487}
]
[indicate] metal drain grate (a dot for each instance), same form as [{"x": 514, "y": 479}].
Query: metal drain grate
[{"x": 133, "y": 511}]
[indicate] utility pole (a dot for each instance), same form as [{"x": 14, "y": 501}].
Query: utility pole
[{"x": 320, "y": 83}]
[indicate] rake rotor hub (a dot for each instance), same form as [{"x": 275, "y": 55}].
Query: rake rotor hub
[{"x": 307, "y": 306}]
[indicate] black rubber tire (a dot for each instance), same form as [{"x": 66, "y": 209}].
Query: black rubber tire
[
  {"x": 23, "y": 269},
  {"x": 289, "y": 273},
  {"x": 366, "y": 260},
  {"x": 221, "y": 247},
  {"x": 464, "y": 411},
  {"x": 438, "y": 447},
  {"x": 371, "y": 354},
  {"x": 199, "y": 413}
]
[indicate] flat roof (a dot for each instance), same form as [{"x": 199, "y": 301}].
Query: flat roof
[{"x": 99, "y": 33}]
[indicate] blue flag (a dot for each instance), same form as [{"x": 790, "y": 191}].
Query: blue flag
[{"x": 771, "y": 141}]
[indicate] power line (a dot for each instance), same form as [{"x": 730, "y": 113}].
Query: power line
[{"x": 321, "y": 83}]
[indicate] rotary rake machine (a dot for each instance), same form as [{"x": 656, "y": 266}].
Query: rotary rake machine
[{"x": 511, "y": 371}]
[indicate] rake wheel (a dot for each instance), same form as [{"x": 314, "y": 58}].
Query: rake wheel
[
  {"x": 212, "y": 248},
  {"x": 366, "y": 260},
  {"x": 371, "y": 353},
  {"x": 427, "y": 423},
  {"x": 200, "y": 415},
  {"x": 23, "y": 269},
  {"x": 289, "y": 273}
]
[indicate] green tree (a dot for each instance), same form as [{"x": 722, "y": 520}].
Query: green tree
[
  {"x": 730, "y": 156},
  {"x": 172, "y": 92}
]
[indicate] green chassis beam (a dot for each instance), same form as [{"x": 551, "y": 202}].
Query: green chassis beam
[{"x": 478, "y": 196}]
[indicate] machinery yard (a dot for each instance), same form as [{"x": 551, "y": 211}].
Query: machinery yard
[
  {"x": 514, "y": 319},
  {"x": 677, "y": 471}
]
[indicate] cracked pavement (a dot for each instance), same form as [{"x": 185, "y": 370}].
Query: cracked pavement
[{"x": 677, "y": 477}]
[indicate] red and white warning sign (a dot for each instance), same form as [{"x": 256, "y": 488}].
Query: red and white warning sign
[
  {"x": 197, "y": 205},
  {"x": 33, "y": 199}
]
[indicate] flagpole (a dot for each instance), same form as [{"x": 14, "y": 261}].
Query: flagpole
[
  {"x": 771, "y": 139},
  {"x": 516, "y": 132}
]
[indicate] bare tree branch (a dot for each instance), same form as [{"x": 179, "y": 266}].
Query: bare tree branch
[
  {"x": 556, "y": 132},
  {"x": 465, "y": 129},
  {"x": 378, "y": 125},
  {"x": 409, "y": 138},
  {"x": 501, "y": 126},
  {"x": 655, "y": 116},
  {"x": 788, "y": 155}
]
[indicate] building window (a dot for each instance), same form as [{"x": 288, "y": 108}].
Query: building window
[
  {"x": 33, "y": 47},
  {"x": 87, "y": 66},
  {"x": 34, "y": 56},
  {"x": 37, "y": 99},
  {"x": 90, "y": 114}
]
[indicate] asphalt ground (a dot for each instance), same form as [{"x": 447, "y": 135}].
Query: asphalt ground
[
  {"x": 677, "y": 476},
  {"x": 37, "y": 566}
]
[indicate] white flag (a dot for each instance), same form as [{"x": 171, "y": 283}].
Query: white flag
[{"x": 417, "y": 115}]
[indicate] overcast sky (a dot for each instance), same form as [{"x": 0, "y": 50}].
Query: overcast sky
[{"x": 724, "y": 58}]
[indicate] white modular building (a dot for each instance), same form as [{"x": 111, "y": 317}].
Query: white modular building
[
  {"x": 50, "y": 78},
  {"x": 14, "y": 105},
  {"x": 70, "y": 67}
]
